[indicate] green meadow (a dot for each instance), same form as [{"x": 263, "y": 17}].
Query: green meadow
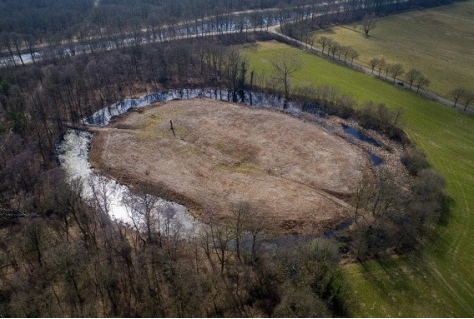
[
  {"x": 438, "y": 280},
  {"x": 439, "y": 42}
]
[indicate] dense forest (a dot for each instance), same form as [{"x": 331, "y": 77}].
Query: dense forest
[
  {"x": 61, "y": 256},
  {"x": 27, "y": 27}
]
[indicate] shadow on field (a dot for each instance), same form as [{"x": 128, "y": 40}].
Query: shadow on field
[
  {"x": 399, "y": 280},
  {"x": 446, "y": 209}
]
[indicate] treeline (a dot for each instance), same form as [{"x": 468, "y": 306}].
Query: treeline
[
  {"x": 26, "y": 25},
  {"x": 78, "y": 263},
  {"x": 68, "y": 27}
]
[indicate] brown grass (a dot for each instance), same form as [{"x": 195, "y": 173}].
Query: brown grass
[{"x": 292, "y": 172}]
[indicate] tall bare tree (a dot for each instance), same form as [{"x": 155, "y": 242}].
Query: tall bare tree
[
  {"x": 369, "y": 23},
  {"x": 395, "y": 71},
  {"x": 285, "y": 66},
  {"x": 467, "y": 98},
  {"x": 456, "y": 94},
  {"x": 421, "y": 81},
  {"x": 324, "y": 42},
  {"x": 412, "y": 75}
]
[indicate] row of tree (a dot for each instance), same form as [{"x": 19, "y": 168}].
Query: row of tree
[
  {"x": 463, "y": 95},
  {"x": 334, "y": 48},
  {"x": 395, "y": 70},
  {"x": 302, "y": 30}
]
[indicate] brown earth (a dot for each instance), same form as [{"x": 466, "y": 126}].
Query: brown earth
[{"x": 294, "y": 173}]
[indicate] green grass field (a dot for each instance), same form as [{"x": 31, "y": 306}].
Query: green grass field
[
  {"x": 439, "y": 280},
  {"x": 439, "y": 42}
]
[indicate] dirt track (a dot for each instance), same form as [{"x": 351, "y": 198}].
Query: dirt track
[{"x": 292, "y": 172}]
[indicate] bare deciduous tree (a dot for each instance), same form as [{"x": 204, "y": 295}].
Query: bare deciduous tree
[
  {"x": 285, "y": 66},
  {"x": 421, "y": 82},
  {"x": 456, "y": 94},
  {"x": 324, "y": 42},
  {"x": 412, "y": 75},
  {"x": 396, "y": 70},
  {"x": 369, "y": 23},
  {"x": 373, "y": 64},
  {"x": 381, "y": 65},
  {"x": 467, "y": 98},
  {"x": 334, "y": 48}
]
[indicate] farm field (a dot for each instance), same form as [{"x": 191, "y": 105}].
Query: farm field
[
  {"x": 439, "y": 42},
  {"x": 438, "y": 281}
]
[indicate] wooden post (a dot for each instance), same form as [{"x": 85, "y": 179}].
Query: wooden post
[{"x": 172, "y": 128}]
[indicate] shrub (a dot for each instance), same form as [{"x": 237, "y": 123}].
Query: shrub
[{"x": 414, "y": 160}]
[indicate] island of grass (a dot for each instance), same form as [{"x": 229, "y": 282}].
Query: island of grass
[{"x": 296, "y": 174}]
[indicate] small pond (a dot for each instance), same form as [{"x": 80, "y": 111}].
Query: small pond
[{"x": 359, "y": 135}]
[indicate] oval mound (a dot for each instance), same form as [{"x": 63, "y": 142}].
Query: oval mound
[{"x": 219, "y": 154}]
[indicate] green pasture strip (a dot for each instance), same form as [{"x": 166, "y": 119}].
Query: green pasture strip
[
  {"x": 439, "y": 281},
  {"x": 439, "y": 42}
]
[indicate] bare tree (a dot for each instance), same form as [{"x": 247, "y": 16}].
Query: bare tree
[
  {"x": 353, "y": 54},
  {"x": 285, "y": 66},
  {"x": 396, "y": 70},
  {"x": 240, "y": 213},
  {"x": 457, "y": 93},
  {"x": 387, "y": 68},
  {"x": 373, "y": 64},
  {"x": 369, "y": 23},
  {"x": 422, "y": 81},
  {"x": 412, "y": 75},
  {"x": 467, "y": 98},
  {"x": 334, "y": 48},
  {"x": 144, "y": 212},
  {"x": 222, "y": 236},
  {"x": 381, "y": 65},
  {"x": 324, "y": 42}
]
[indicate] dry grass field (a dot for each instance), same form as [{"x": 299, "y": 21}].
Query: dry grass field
[
  {"x": 439, "y": 42},
  {"x": 294, "y": 173}
]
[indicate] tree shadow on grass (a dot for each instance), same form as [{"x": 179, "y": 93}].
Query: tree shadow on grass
[
  {"x": 446, "y": 210},
  {"x": 400, "y": 279}
]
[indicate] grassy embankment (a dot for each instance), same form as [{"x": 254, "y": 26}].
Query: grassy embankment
[
  {"x": 439, "y": 42},
  {"x": 438, "y": 281}
]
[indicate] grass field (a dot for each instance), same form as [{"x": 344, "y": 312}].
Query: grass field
[
  {"x": 439, "y": 42},
  {"x": 439, "y": 280}
]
